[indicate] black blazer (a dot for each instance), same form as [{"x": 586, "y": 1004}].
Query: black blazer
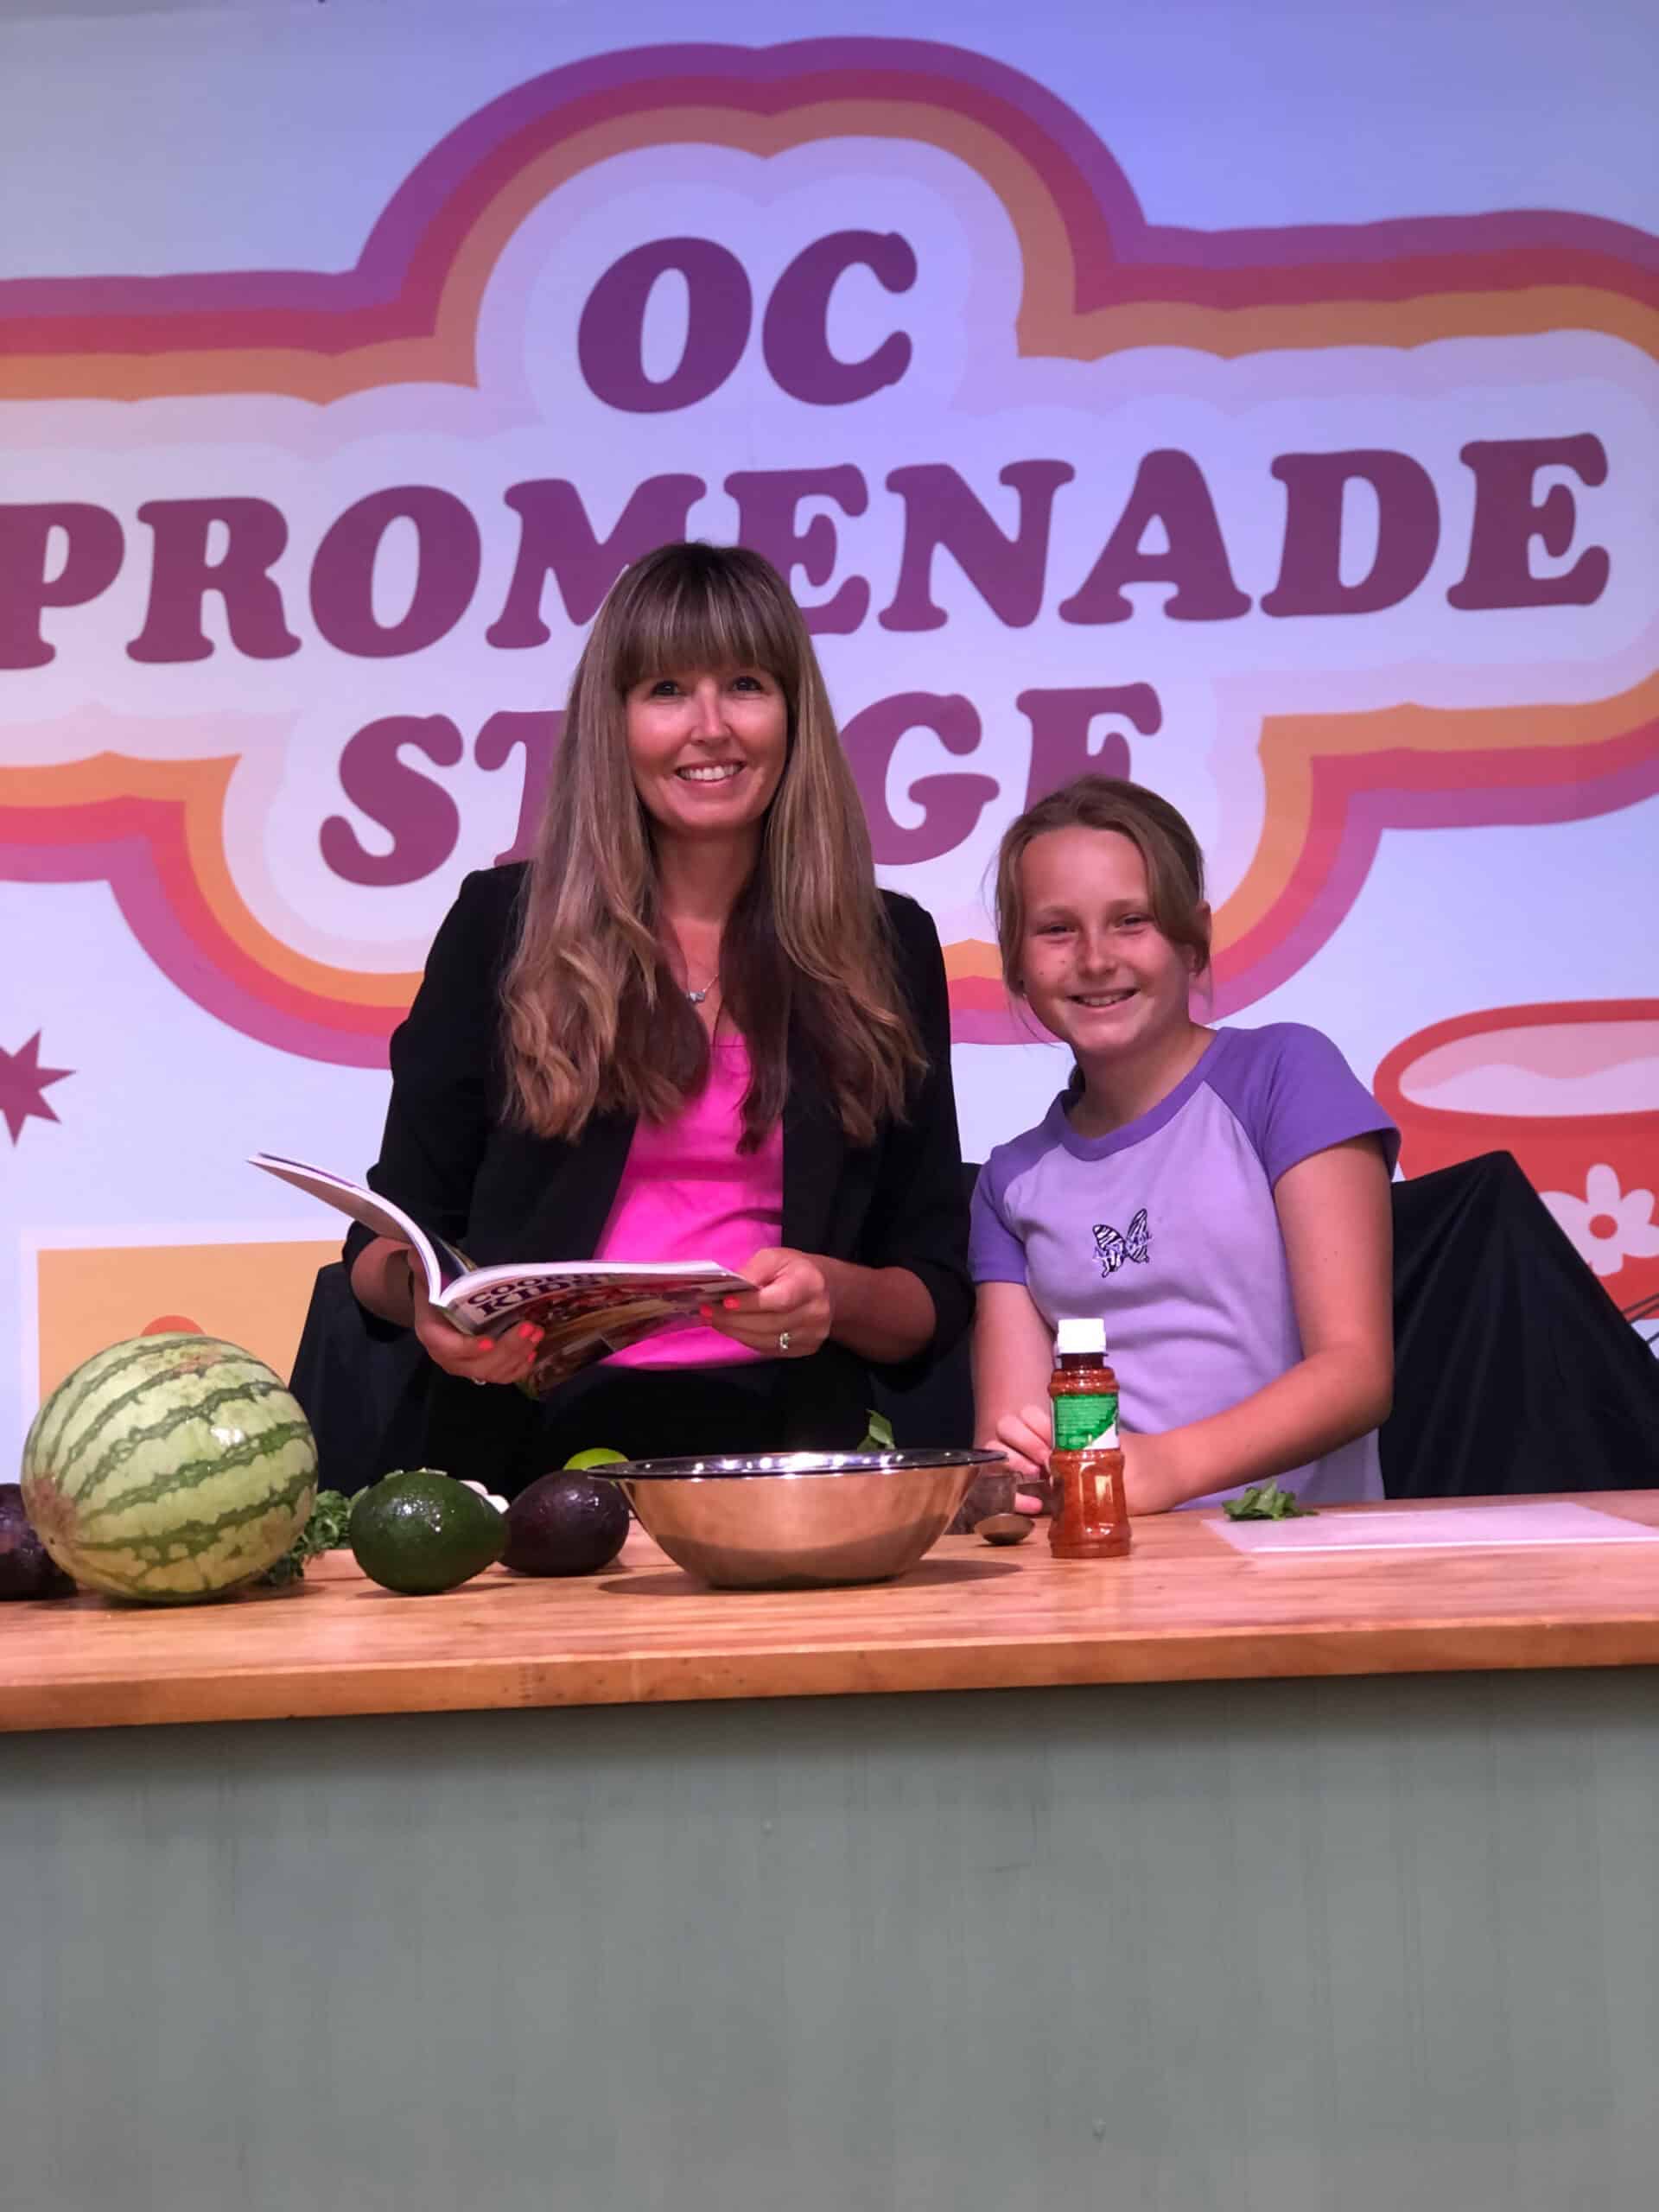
[{"x": 452, "y": 1158}]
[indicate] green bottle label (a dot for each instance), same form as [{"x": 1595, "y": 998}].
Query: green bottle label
[{"x": 1081, "y": 1421}]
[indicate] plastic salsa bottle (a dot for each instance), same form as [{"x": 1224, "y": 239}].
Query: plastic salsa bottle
[{"x": 1091, "y": 1518}]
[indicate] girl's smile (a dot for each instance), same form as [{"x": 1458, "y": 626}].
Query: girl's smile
[{"x": 1095, "y": 969}]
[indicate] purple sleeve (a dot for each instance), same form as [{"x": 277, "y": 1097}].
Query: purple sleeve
[
  {"x": 1295, "y": 1095},
  {"x": 995, "y": 1253}
]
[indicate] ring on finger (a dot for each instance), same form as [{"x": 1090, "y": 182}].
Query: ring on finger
[{"x": 783, "y": 1340}]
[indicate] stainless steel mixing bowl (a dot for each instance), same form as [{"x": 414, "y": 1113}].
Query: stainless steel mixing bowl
[{"x": 799, "y": 1519}]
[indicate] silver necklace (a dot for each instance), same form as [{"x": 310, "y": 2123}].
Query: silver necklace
[{"x": 697, "y": 997}]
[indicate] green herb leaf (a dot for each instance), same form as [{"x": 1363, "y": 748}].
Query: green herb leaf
[
  {"x": 878, "y": 1433},
  {"x": 1267, "y": 1502},
  {"x": 324, "y": 1532}
]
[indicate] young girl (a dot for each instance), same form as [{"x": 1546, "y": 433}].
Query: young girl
[{"x": 1218, "y": 1196}]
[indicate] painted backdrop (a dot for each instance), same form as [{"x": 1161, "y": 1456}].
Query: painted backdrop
[{"x": 1324, "y": 499}]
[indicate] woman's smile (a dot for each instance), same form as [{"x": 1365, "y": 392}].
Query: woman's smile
[{"x": 706, "y": 748}]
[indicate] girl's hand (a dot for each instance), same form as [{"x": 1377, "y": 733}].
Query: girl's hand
[
  {"x": 506, "y": 1358},
  {"x": 1028, "y": 1438},
  {"x": 1154, "y": 1477},
  {"x": 788, "y": 1313}
]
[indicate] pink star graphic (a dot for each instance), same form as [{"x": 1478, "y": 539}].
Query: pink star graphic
[{"x": 22, "y": 1085}]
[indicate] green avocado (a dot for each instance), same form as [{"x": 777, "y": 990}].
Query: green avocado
[{"x": 418, "y": 1532}]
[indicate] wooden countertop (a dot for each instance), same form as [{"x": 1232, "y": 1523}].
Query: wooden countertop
[{"x": 1185, "y": 1607}]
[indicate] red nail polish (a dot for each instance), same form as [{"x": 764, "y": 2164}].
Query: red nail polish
[
  {"x": 730, "y": 1304},
  {"x": 486, "y": 1344}
]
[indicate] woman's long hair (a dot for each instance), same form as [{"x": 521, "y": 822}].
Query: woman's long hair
[{"x": 596, "y": 1021}]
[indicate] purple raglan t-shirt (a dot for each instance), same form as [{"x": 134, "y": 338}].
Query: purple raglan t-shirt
[{"x": 1167, "y": 1231}]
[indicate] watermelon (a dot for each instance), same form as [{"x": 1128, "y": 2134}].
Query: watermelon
[{"x": 168, "y": 1469}]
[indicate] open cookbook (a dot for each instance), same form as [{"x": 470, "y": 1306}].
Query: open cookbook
[{"x": 587, "y": 1308}]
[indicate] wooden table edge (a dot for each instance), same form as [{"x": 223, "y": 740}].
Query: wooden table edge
[{"x": 1031, "y": 1663}]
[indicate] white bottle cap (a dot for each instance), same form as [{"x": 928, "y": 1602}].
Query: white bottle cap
[{"x": 1080, "y": 1336}]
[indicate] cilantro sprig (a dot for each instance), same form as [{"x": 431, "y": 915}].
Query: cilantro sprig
[
  {"x": 878, "y": 1433},
  {"x": 1267, "y": 1502},
  {"x": 324, "y": 1532}
]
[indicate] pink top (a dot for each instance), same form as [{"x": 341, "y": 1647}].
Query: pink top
[{"x": 688, "y": 1193}]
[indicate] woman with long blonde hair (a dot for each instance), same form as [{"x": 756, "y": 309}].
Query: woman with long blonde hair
[{"x": 691, "y": 1027}]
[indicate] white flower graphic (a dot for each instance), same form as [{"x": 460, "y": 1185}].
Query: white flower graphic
[{"x": 1607, "y": 1225}]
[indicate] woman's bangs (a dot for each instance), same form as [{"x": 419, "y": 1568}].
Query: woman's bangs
[{"x": 703, "y": 622}]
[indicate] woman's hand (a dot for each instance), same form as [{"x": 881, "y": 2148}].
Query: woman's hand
[
  {"x": 788, "y": 1314},
  {"x": 506, "y": 1358}
]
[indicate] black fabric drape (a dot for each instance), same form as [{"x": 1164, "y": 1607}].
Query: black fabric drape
[
  {"x": 350, "y": 1377},
  {"x": 1514, "y": 1371}
]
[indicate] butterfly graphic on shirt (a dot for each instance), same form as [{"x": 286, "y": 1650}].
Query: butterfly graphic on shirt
[{"x": 1113, "y": 1248}]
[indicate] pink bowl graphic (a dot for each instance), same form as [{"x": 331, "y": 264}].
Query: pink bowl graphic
[{"x": 1572, "y": 1091}]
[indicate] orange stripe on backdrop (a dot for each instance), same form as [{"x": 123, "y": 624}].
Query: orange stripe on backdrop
[
  {"x": 1231, "y": 333},
  {"x": 1047, "y": 322},
  {"x": 972, "y": 956},
  {"x": 1291, "y": 745},
  {"x": 448, "y": 354},
  {"x": 196, "y": 789},
  {"x": 1291, "y": 748}
]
